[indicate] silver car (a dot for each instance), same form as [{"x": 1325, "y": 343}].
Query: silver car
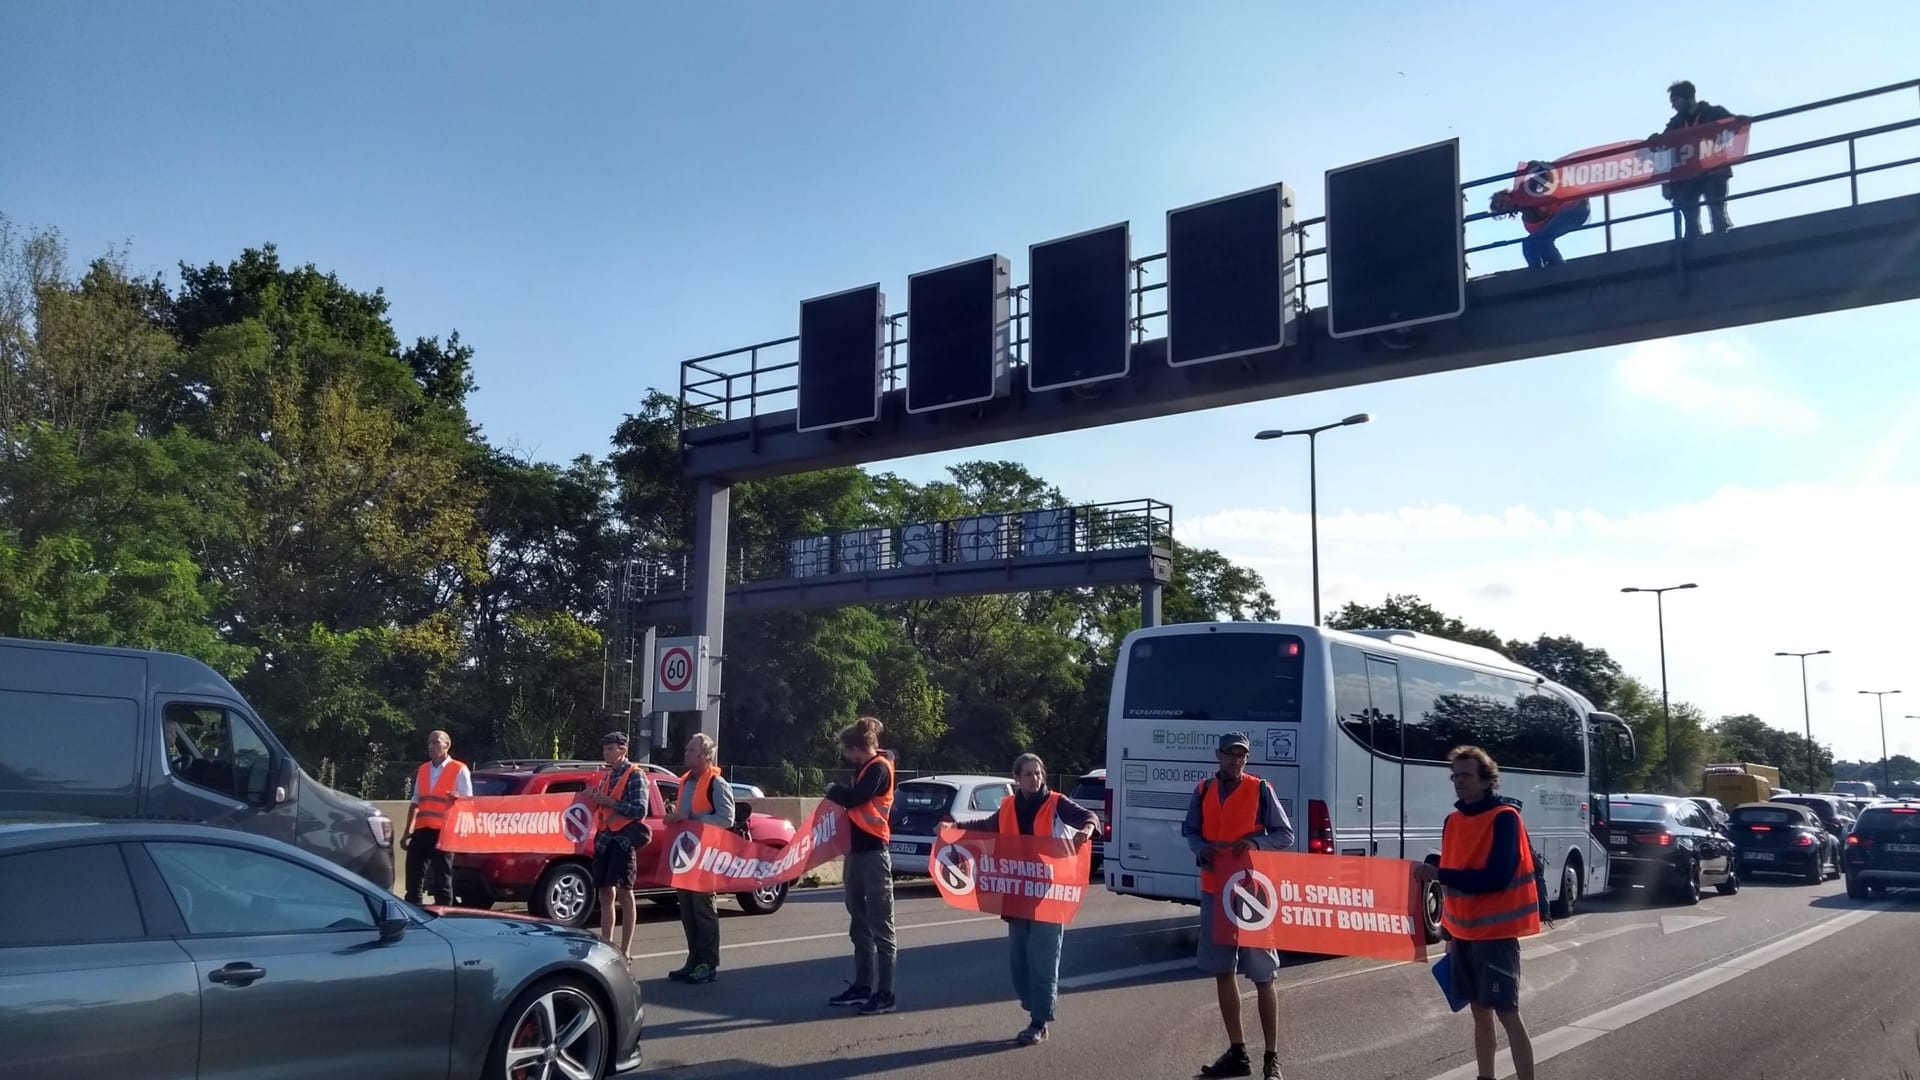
[{"x": 185, "y": 951}]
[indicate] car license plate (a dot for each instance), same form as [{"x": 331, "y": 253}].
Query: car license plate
[
  {"x": 1619, "y": 839},
  {"x": 1758, "y": 856},
  {"x": 1904, "y": 849},
  {"x": 904, "y": 847}
]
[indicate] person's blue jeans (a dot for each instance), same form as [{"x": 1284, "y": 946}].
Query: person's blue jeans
[
  {"x": 1538, "y": 246},
  {"x": 1034, "y": 948}
]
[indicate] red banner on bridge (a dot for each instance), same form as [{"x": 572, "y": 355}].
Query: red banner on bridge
[
  {"x": 708, "y": 858},
  {"x": 1025, "y": 877},
  {"x": 1334, "y": 905},
  {"x": 1603, "y": 170},
  {"x": 519, "y": 824}
]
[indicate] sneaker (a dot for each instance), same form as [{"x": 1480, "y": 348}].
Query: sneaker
[
  {"x": 877, "y": 1004},
  {"x": 852, "y": 995},
  {"x": 705, "y": 973},
  {"x": 1035, "y": 1033},
  {"x": 1232, "y": 1063},
  {"x": 1270, "y": 1070},
  {"x": 679, "y": 974}
]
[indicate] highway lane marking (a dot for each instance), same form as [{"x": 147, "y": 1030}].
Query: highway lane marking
[
  {"x": 1580, "y": 1032},
  {"x": 816, "y": 937},
  {"x": 1138, "y": 971}
]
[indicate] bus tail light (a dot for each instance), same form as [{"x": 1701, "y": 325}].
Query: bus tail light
[
  {"x": 1108, "y": 823},
  {"x": 1319, "y": 828}
]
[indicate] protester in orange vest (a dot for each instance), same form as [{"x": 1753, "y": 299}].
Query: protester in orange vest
[
  {"x": 1034, "y": 946},
  {"x": 619, "y": 801},
  {"x": 869, "y": 867},
  {"x": 706, "y": 799},
  {"x": 1544, "y": 223},
  {"x": 439, "y": 780},
  {"x": 1489, "y": 901},
  {"x": 1233, "y": 810}
]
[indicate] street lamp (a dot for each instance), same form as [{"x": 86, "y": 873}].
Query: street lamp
[
  {"x": 1806, "y": 704},
  {"x": 1886, "y": 766},
  {"x": 1313, "y": 488},
  {"x": 1666, "y": 710}
]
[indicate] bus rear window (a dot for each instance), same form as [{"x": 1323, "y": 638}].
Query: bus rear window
[{"x": 1231, "y": 676}]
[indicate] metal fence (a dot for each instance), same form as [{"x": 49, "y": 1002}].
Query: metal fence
[{"x": 1837, "y": 152}]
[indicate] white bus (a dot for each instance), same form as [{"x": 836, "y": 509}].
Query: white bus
[{"x": 1324, "y": 712}]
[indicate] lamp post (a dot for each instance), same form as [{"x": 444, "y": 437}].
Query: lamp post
[
  {"x": 1886, "y": 765},
  {"x": 1313, "y": 488},
  {"x": 1806, "y": 705},
  {"x": 1666, "y": 710}
]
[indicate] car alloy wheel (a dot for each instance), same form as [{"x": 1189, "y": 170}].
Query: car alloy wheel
[
  {"x": 557, "y": 1031},
  {"x": 1690, "y": 887},
  {"x": 566, "y": 895}
]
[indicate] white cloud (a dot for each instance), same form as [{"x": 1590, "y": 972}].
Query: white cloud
[
  {"x": 1793, "y": 567},
  {"x": 1714, "y": 379}
]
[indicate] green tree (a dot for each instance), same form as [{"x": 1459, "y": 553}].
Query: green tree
[{"x": 1409, "y": 612}]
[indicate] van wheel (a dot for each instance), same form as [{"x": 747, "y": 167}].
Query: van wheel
[
  {"x": 564, "y": 895},
  {"x": 1569, "y": 893},
  {"x": 1430, "y": 913}
]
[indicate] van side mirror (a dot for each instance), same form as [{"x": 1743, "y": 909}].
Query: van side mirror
[
  {"x": 393, "y": 921},
  {"x": 282, "y": 780}
]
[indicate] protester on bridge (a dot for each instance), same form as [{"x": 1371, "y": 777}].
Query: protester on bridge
[
  {"x": 1033, "y": 945},
  {"x": 439, "y": 780},
  {"x": 619, "y": 801},
  {"x": 1236, "y": 811},
  {"x": 1490, "y": 900},
  {"x": 706, "y": 799},
  {"x": 869, "y": 867},
  {"x": 1686, "y": 195},
  {"x": 1544, "y": 224}
]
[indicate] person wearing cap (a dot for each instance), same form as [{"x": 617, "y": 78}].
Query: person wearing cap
[
  {"x": 1233, "y": 810},
  {"x": 619, "y": 801}
]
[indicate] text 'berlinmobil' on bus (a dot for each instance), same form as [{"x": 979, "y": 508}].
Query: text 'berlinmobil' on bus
[{"x": 1352, "y": 730}]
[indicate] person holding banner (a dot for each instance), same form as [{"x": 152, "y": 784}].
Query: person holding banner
[
  {"x": 1034, "y": 944},
  {"x": 1489, "y": 901},
  {"x": 619, "y": 801},
  {"x": 1544, "y": 224},
  {"x": 705, "y": 799},
  {"x": 869, "y": 867},
  {"x": 1233, "y": 810},
  {"x": 1686, "y": 195}
]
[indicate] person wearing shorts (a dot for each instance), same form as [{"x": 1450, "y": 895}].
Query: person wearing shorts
[
  {"x": 619, "y": 801},
  {"x": 1490, "y": 899},
  {"x": 1233, "y": 810}
]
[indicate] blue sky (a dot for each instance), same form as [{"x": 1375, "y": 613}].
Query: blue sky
[{"x": 591, "y": 193}]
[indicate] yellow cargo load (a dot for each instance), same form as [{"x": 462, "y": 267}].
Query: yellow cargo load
[{"x": 1741, "y": 782}]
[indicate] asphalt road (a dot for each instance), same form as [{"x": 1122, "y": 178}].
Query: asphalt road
[{"x": 1781, "y": 981}]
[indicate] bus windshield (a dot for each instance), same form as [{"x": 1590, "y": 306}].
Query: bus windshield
[{"x": 1230, "y": 676}]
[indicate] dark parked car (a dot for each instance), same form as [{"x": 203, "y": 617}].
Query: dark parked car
[
  {"x": 1669, "y": 844},
  {"x": 1784, "y": 838},
  {"x": 1830, "y": 809},
  {"x": 127, "y": 734},
  {"x": 1884, "y": 849},
  {"x": 176, "y": 951},
  {"x": 1090, "y": 791},
  {"x": 561, "y": 887},
  {"x": 1716, "y": 813}
]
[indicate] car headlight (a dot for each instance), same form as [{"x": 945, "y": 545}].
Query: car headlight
[{"x": 382, "y": 827}]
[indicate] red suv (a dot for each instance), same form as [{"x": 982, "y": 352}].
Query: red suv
[{"x": 560, "y": 887}]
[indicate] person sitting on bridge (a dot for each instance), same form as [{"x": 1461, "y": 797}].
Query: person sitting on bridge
[
  {"x": 1546, "y": 219},
  {"x": 1688, "y": 112}
]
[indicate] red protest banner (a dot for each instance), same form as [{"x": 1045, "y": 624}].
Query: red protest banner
[
  {"x": 1678, "y": 156},
  {"x": 1334, "y": 905},
  {"x": 519, "y": 824},
  {"x": 1025, "y": 877},
  {"x": 707, "y": 858}
]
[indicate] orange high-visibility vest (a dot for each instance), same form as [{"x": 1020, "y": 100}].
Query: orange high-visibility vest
[
  {"x": 606, "y": 819},
  {"x": 1043, "y": 818},
  {"x": 1466, "y": 843},
  {"x": 870, "y": 817},
  {"x": 1225, "y": 820},
  {"x": 698, "y": 786},
  {"x": 435, "y": 799}
]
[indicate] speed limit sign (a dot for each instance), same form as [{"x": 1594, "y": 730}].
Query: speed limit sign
[{"x": 680, "y": 674}]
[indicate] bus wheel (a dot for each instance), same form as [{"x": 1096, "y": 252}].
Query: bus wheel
[
  {"x": 1569, "y": 892},
  {"x": 1430, "y": 913}
]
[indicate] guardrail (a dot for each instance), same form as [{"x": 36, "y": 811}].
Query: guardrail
[{"x": 763, "y": 378}]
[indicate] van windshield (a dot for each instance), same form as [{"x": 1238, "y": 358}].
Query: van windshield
[{"x": 1215, "y": 675}]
